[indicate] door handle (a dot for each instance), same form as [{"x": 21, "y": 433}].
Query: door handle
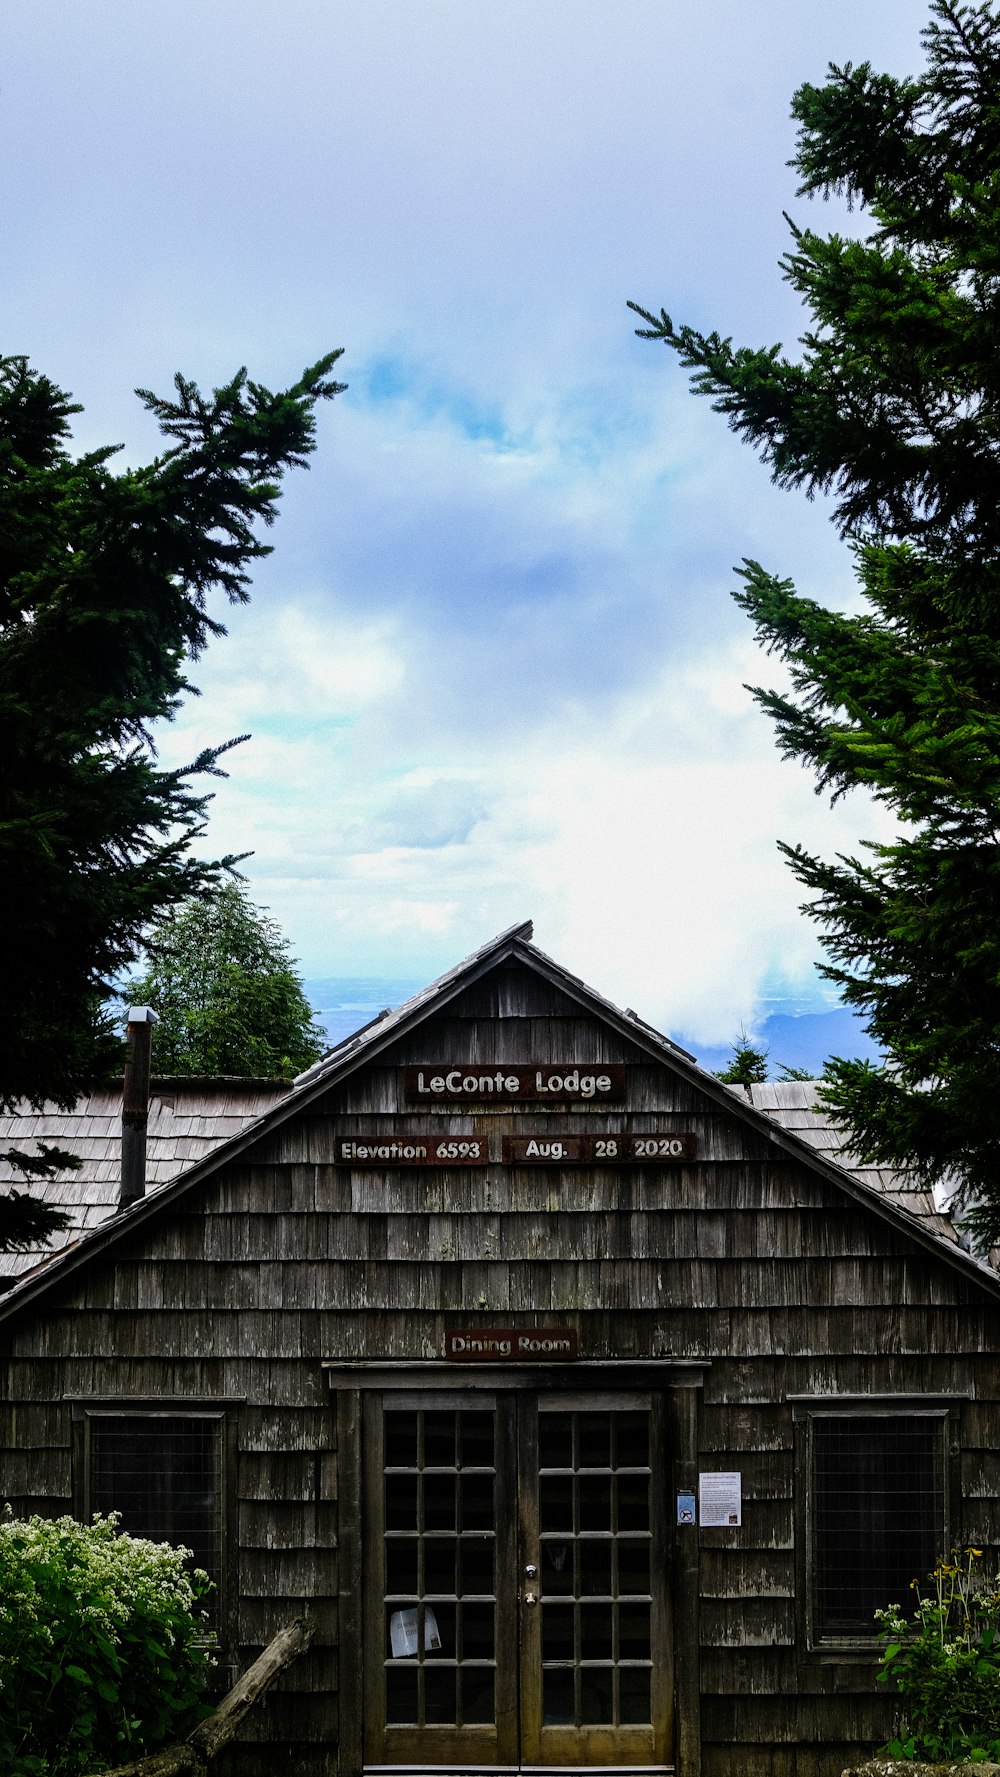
[{"x": 530, "y": 1598}]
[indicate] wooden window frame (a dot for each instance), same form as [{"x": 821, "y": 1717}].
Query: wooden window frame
[
  {"x": 806, "y": 1409},
  {"x": 225, "y": 1415}
]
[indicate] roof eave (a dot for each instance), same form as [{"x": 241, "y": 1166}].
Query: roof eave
[{"x": 513, "y": 942}]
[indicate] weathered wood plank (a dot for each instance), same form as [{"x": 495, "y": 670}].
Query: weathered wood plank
[
  {"x": 292, "y": 1573},
  {"x": 760, "y": 1622},
  {"x": 281, "y": 1524},
  {"x": 747, "y": 1573}
]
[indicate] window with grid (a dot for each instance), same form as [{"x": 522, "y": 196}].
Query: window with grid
[
  {"x": 878, "y": 1515},
  {"x": 440, "y": 1567},
  {"x": 162, "y": 1473},
  {"x": 596, "y": 1541}
]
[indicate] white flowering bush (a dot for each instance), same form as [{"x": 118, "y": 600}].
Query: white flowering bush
[{"x": 103, "y": 1654}]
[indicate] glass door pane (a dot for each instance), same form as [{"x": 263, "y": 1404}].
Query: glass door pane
[
  {"x": 435, "y": 1582},
  {"x": 592, "y": 1687}
]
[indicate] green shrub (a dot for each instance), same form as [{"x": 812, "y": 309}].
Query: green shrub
[
  {"x": 103, "y": 1651},
  {"x": 946, "y": 1663}
]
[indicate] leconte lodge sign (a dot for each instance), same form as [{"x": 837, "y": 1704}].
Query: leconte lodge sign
[
  {"x": 447, "y": 1084},
  {"x": 580, "y": 1085}
]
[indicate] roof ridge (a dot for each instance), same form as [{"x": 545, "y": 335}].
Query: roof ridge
[
  {"x": 522, "y": 932},
  {"x": 342, "y": 1061}
]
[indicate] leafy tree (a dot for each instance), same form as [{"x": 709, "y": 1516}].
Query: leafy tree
[
  {"x": 104, "y": 582},
  {"x": 892, "y": 408},
  {"x": 225, "y": 992}
]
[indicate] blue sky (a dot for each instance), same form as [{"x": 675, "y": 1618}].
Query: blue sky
[{"x": 493, "y": 669}]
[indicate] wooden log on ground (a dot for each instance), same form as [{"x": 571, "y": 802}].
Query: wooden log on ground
[{"x": 191, "y": 1756}]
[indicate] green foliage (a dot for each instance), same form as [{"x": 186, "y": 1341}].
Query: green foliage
[
  {"x": 23, "y": 1219},
  {"x": 226, "y": 994},
  {"x": 893, "y": 410},
  {"x": 748, "y": 1066},
  {"x": 945, "y": 1661},
  {"x": 104, "y": 582},
  {"x": 103, "y": 1652}
]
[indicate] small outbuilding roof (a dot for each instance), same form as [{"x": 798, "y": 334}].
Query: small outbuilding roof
[
  {"x": 796, "y": 1105},
  {"x": 187, "y": 1119}
]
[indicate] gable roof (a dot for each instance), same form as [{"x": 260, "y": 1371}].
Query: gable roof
[
  {"x": 188, "y": 1118},
  {"x": 796, "y": 1105},
  {"x": 793, "y": 1127}
]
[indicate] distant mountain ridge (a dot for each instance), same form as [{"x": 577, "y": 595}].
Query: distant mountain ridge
[{"x": 343, "y": 1003}]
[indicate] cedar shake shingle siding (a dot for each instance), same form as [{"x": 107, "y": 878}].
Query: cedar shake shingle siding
[{"x": 283, "y": 1296}]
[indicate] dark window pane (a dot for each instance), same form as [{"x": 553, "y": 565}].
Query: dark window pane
[
  {"x": 476, "y": 1430},
  {"x": 556, "y": 1500},
  {"x": 439, "y": 1440},
  {"x": 557, "y": 1566},
  {"x": 477, "y": 1694},
  {"x": 400, "y": 1440},
  {"x": 439, "y": 1631},
  {"x": 558, "y": 1709},
  {"x": 401, "y": 1694},
  {"x": 633, "y": 1632},
  {"x": 477, "y": 1632},
  {"x": 633, "y": 1502},
  {"x": 878, "y": 1515},
  {"x": 477, "y": 1502},
  {"x": 597, "y": 1694},
  {"x": 595, "y": 1567},
  {"x": 596, "y": 1631},
  {"x": 439, "y": 1502},
  {"x": 595, "y": 1502},
  {"x": 439, "y": 1693},
  {"x": 477, "y": 1564},
  {"x": 401, "y": 1502},
  {"x": 633, "y": 1567},
  {"x": 162, "y": 1475},
  {"x": 439, "y": 1564},
  {"x": 557, "y": 1632},
  {"x": 634, "y": 1693},
  {"x": 632, "y": 1431},
  {"x": 401, "y": 1564},
  {"x": 555, "y": 1440},
  {"x": 594, "y": 1435}
]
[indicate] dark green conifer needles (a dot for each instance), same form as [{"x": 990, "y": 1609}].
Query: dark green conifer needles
[
  {"x": 103, "y": 585},
  {"x": 893, "y": 409}
]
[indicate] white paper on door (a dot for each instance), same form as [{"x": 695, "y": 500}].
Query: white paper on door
[{"x": 404, "y": 1632}]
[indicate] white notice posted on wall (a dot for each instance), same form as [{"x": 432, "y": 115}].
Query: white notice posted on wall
[{"x": 720, "y": 1502}]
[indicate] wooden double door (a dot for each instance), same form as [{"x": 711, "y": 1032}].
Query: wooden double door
[{"x": 516, "y": 1602}]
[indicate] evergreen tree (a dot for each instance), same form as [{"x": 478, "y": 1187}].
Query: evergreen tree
[
  {"x": 892, "y": 407},
  {"x": 104, "y": 579},
  {"x": 226, "y": 994},
  {"x": 747, "y": 1066}
]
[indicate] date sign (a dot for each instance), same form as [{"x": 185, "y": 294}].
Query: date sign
[
  {"x": 608, "y": 1150},
  {"x": 412, "y": 1150}
]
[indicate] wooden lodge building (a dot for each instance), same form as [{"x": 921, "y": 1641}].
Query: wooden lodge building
[{"x": 588, "y": 1407}]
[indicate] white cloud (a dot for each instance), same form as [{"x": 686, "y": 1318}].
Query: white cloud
[
  {"x": 641, "y": 838},
  {"x": 493, "y": 667}
]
